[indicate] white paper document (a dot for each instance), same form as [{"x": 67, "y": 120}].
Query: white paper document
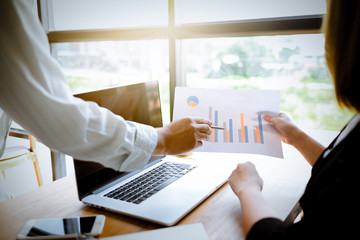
[
  {"x": 240, "y": 115},
  {"x": 188, "y": 232}
]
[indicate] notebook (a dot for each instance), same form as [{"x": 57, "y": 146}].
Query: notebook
[
  {"x": 167, "y": 189},
  {"x": 188, "y": 232}
]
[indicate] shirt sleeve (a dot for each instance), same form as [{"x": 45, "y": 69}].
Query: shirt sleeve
[{"x": 35, "y": 93}]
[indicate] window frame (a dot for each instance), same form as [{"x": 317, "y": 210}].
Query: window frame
[{"x": 173, "y": 33}]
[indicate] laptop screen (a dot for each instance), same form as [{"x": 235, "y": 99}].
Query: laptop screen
[{"x": 139, "y": 103}]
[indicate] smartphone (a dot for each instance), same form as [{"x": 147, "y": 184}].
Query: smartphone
[{"x": 62, "y": 228}]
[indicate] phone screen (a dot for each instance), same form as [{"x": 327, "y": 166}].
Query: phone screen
[{"x": 62, "y": 226}]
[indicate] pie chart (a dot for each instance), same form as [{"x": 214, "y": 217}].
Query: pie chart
[{"x": 192, "y": 101}]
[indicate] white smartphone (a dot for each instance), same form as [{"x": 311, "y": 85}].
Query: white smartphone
[{"x": 62, "y": 228}]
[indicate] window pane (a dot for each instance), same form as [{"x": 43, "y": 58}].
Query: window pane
[
  {"x": 295, "y": 64},
  {"x": 200, "y": 11},
  {"x": 96, "y": 65},
  {"x": 99, "y": 14}
]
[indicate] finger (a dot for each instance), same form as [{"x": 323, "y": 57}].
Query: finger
[
  {"x": 268, "y": 118},
  {"x": 198, "y": 144},
  {"x": 238, "y": 167},
  {"x": 204, "y": 128},
  {"x": 282, "y": 115},
  {"x": 203, "y": 121},
  {"x": 202, "y": 136},
  {"x": 273, "y": 120},
  {"x": 250, "y": 164}
]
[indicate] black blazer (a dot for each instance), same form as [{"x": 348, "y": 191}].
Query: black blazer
[{"x": 331, "y": 199}]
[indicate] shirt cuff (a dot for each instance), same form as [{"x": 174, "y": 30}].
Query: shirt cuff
[{"x": 145, "y": 142}]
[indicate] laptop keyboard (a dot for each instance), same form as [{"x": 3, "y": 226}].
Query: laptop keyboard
[{"x": 146, "y": 185}]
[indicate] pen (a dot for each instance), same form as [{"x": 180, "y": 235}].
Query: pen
[{"x": 220, "y": 128}]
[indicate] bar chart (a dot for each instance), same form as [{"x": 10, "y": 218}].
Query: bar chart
[
  {"x": 237, "y": 118},
  {"x": 229, "y": 134}
]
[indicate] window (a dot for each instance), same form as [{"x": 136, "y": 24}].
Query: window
[
  {"x": 227, "y": 44},
  {"x": 201, "y": 11},
  {"x": 94, "y": 65},
  {"x": 105, "y": 14},
  {"x": 294, "y": 64}
]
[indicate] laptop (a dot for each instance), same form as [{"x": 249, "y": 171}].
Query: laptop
[{"x": 167, "y": 189}]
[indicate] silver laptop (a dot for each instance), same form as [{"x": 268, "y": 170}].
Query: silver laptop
[{"x": 164, "y": 191}]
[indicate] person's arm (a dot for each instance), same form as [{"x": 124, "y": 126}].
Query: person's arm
[
  {"x": 247, "y": 185},
  {"x": 328, "y": 213},
  {"x": 291, "y": 134},
  {"x": 34, "y": 92}
]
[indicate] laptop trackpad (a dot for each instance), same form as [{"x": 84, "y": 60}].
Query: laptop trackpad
[{"x": 179, "y": 198}]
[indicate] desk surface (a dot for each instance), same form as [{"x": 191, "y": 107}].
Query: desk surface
[{"x": 284, "y": 182}]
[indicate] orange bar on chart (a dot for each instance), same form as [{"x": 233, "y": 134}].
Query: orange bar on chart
[
  {"x": 213, "y": 134},
  {"x": 242, "y": 127},
  {"x": 227, "y": 135},
  {"x": 258, "y": 135}
]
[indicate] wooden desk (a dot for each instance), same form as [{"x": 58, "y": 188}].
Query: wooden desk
[{"x": 285, "y": 180}]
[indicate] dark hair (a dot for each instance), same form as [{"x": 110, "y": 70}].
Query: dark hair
[{"x": 342, "y": 45}]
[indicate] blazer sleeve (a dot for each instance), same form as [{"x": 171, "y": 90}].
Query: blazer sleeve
[{"x": 267, "y": 228}]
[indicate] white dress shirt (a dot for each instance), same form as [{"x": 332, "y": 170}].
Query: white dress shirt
[{"x": 35, "y": 94}]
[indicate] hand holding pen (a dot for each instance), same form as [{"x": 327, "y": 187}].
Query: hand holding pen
[{"x": 218, "y": 128}]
